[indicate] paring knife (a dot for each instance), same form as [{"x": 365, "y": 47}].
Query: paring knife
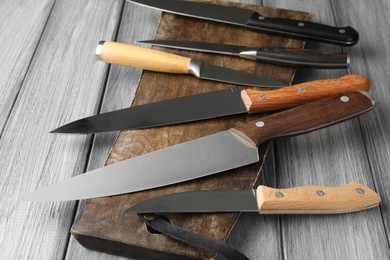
[
  {"x": 301, "y": 200},
  {"x": 214, "y": 104},
  {"x": 153, "y": 60},
  {"x": 291, "y": 57},
  {"x": 207, "y": 155},
  {"x": 255, "y": 21}
]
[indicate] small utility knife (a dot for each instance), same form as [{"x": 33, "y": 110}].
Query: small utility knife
[
  {"x": 301, "y": 200},
  {"x": 153, "y": 60},
  {"x": 255, "y": 21},
  {"x": 292, "y": 57}
]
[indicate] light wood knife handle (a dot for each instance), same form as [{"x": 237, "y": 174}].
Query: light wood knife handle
[
  {"x": 259, "y": 101},
  {"x": 143, "y": 58},
  {"x": 316, "y": 199}
]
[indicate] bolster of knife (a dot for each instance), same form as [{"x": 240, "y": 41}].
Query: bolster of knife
[
  {"x": 316, "y": 199},
  {"x": 259, "y": 101},
  {"x": 302, "y": 58},
  {"x": 143, "y": 58}
]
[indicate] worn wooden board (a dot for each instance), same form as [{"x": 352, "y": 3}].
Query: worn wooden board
[{"x": 100, "y": 224}]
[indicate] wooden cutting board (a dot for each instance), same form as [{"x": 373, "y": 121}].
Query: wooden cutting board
[{"x": 100, "y": 224}]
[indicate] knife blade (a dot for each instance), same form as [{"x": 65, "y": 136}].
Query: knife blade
[
  {"x": 299, "y": 200},
  {"x": 253, "y": 20},
  {"x": 291, "y": 57},
  {"x": 214, "y": 104},
  {"x": 158, "y": 61},
  {"x": 206, "y": 155}
]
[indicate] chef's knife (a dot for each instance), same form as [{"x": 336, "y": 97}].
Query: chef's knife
[
  {"x": 153, "y": 60},
  {"x": 300, "y": 200},
  {"x": 207, "y": 155},
  {"x": 255, "y": 21},
  {"x": 291, "y": 57},
  {"x": 214, "y": 104}
]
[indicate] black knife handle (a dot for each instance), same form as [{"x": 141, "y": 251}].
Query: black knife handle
[
  {"x": 298, "y": 57},
  {"x": 305, "y": 30}
]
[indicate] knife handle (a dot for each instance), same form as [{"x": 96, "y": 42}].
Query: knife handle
[
  {"x": 306, "y": 118},
  {"x": 304, "y": 30},
  {"x": 143, "y": 58},
  {"x": 259, "y": 101},
  {"x": 302, "y": 58},
  {"x": 316, "y": 199}
]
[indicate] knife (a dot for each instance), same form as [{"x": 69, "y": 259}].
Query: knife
[
  {"x": 300, "y": 200},
  {"x": 291, "y": 57},
  {"x": 206, "y": 155},
  {"x": 153, "y": 60},
  {"x": 255, "y": 21},
  {"x": 214, "y": 104}
]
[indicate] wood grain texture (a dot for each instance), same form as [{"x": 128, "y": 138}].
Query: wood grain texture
[
  {"x": 121, "y": 86},
  {"x": 257, "y": 101},
  {"x": 305, "y": 118},
  {"x": 334, "y": 156},
  {"x": 64, "y": 82},
  {"x": 373, "y": 60},
  {"x": 18, "y": 41},
  {"x": 90, "y": 229},
  {"x": 316, "y": 199},
  {"x": 143, "y": 58}
]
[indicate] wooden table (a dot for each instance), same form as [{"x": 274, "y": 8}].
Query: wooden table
[{"x": 49, "y": 76}]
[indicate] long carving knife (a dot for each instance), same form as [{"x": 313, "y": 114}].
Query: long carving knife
[
  {"x": 255, "y": 21},
  {"x": 300, "y": 200},
  {"x": 206, "y": 155},
  {"x": 214, "y": 104},
  {"x": 291, "y": 57},
  {"x": 153, "y": 60}
]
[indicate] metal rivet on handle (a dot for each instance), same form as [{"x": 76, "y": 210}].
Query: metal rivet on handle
[
  {"x": 301, "y": 90},
  {"x": 320, "y": 193},
  {"x": 261, "y": 17},
  {"x": 359, "y": 190},
  {"x": 301, "y": 24},
  {"x": 262, "y": 96},
  {"x": 344, "y": 98},
  {"x": 279, "y": 194},
  {"x": 342, "y": 31},
  {"x": 260, "y": 124}
]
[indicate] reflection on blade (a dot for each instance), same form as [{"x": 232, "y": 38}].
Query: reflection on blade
[
  {"x": 212, "y": 12},
  {"x": 197, "y": 158},
  {"x": 199, "y": 201},
  {"x": 173, "y": 111}
]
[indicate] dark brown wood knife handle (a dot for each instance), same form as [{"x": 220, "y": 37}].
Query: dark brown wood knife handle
[
  {"x": 303, "y": 58},
  {"x": 257, "y": 101},
  {"x": 306, "y": 118}
]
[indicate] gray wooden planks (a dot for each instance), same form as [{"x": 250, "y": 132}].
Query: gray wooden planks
[
  {"x": 373, "y": 55},
  {"x": 21, "y": 27},
  {"x": 49, "y": 98},
  {"x": 333, "y": 156},
  {"x": 137, "y": 23},
  {"x": 63, "y": 83}
]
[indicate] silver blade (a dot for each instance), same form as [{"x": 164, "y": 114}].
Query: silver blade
[
  {"x": 199, "y": 46},
  {"x": 232, "y": 15},
  {"x": 198, "y": 202},
  {"x": 179, "y": 110},
  {"x": 197, "y": 158},
  {"x": 212, "y": 72}
]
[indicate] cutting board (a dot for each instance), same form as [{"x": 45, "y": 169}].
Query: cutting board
[{"x": 100, "y": 224}]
